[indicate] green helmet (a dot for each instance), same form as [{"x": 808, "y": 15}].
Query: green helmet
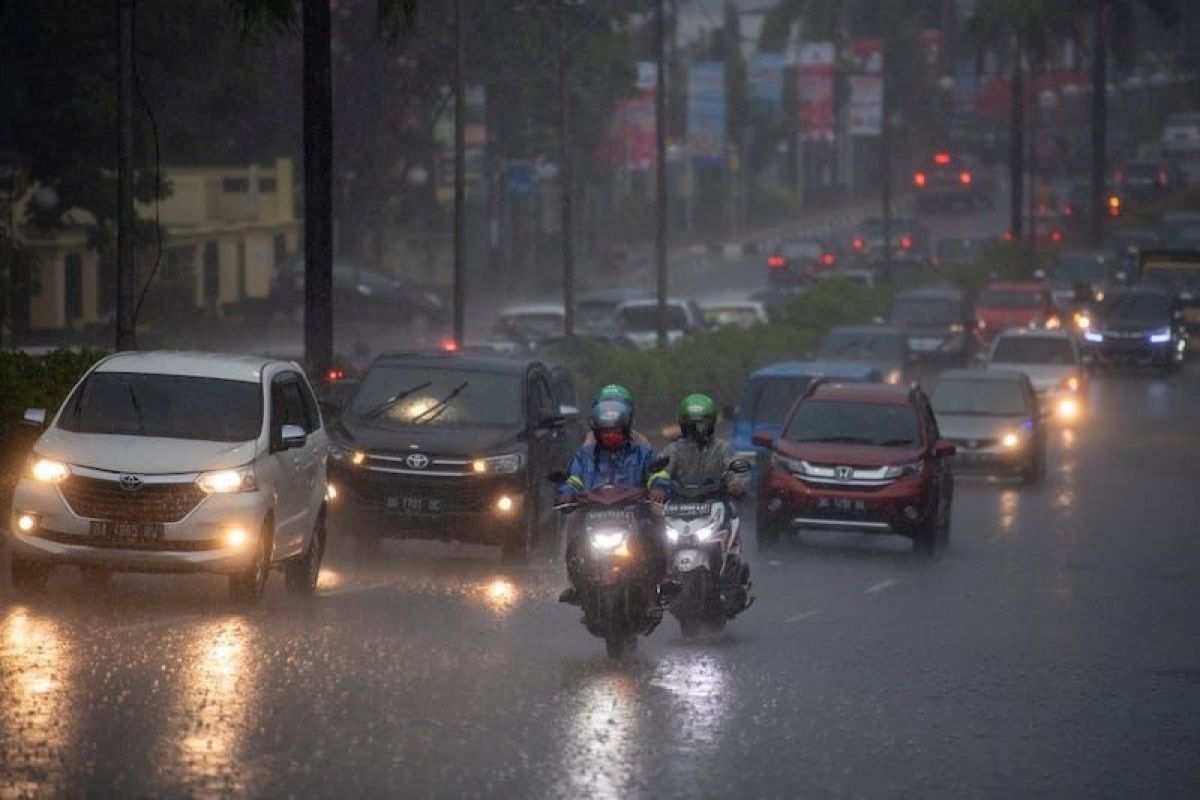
[
  {"x": 697, "y": 417},
  {"x": 615, "y": 392}
]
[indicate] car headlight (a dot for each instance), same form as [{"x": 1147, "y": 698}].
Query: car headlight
[
  {"x": 1161, "y": 337},
  {"x": 1053, "y": 324},
  {"x": 893, "y": 377},
  {"x": 789, "y": 464},
  {"x": 1082, "y": 321},
  {"x": 1011, "y": 440},
  {"x": 1069, "y": 384},
  {"x": 228, "y": 481},
  {"x": 904, "y": 470},
  {"x": 957, "y": 327},
  {"x": 47, "y": 470},
  {"x": 1067, "y": 408},
  {"x": 1093, "y": 336},
  {"x": 607, "y": 540},
  {"x": 499, "y": 465}
]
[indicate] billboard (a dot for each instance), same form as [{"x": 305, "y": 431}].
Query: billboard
[
  {"x": 766, "y": 81},
  {"x": 866, "y": 88},
  {"x": 816, "y": 91},
  {"x": 706, "y": 111}
]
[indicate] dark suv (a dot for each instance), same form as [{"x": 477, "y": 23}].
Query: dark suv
[
  {"x": 443, "y": 446},
  {"x": 861, "y": 457}
]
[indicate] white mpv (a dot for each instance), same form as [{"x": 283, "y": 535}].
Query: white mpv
[{"x": 177, "y": 462}]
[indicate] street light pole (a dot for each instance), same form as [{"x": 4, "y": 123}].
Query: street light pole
[
  {"x": 660, "y": 148},
  {"x": 460, "y": 178},
  {"x": 565, "y": 182},
  {"x": 126, "y": 336}
]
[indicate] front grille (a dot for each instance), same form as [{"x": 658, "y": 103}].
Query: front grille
[{"x": 95, "y": 498}]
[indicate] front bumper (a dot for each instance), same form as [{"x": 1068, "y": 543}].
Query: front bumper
[
  {"x": 900, "y": 507},
  {"x": 1134, "y": 352},
  {"x": 992, "y": 459},
  {"x": 196, "y": 543}
]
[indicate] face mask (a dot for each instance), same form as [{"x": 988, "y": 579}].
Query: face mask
[{"x": 611, "y": 440}]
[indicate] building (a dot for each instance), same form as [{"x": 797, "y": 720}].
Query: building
[{"x": 224, "y": 231}]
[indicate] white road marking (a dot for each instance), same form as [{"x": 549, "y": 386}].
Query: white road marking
[
  {"x": 882, "y": 586},
  {"x": 804, "y": 616}
]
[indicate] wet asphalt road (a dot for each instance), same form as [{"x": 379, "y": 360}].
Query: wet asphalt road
[{"x": 1053, "y": 652}]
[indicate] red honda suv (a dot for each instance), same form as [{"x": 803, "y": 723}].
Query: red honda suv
[{"x": 862, "y": 457}]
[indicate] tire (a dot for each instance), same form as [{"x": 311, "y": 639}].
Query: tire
[
  {"x": 934, "y": 537},
  {"x": 29, "y": 576},
  {"x": 619, "y": 640},
  {"x": 301, "y": 573},
  {"x": 247, "y": 587},
  {"x": 95, "y": 578}
]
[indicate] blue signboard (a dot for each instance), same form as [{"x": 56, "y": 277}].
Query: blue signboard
[{"x": 706, "y": 111}]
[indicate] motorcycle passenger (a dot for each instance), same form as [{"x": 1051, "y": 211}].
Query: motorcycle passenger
[
  {"x": 614, "y": 459},
  {"x": 614, "y": 391},
  {"x": 698, "y": 455}
]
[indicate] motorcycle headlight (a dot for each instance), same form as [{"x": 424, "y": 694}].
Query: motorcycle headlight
[
  {"x": 607, "y": 540},
  {"x": 47, "y": 470},
  {"x": 705, "y": 533},
  {"x": 228, "y": 481},
  {"x": 904, "y": 470},
  {"x": 1161, "y": 337},
  {"x": 499, "y": 465},
  {"x": 1093, "y": 336}
]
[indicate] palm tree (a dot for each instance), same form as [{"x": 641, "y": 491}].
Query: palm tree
[{"x": 394, "y": 17}]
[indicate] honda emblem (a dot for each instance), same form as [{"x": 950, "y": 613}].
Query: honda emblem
[{"x": 843, "y": 473}]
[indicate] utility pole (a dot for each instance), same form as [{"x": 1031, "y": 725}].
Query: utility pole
[
  {"x": 318, "y": 185},
  {"x": 1016, "y": 149},
  {"x": 885, "y": 159},
  {"x": 126, "y": 335},
  {"x": 660, "y": 149},
  {"x": 1099, "y": 120},
  {"x": 460, "y": 177},
  {"x": 565, "y": 181}
]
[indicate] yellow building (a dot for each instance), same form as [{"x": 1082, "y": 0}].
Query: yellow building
[{"x": 225, "y": 229}]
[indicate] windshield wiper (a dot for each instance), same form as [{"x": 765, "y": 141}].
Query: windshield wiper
[
  {"x": 136, "y": 407},
  {"x": 435, "y": 410},
  {"x": 839, "y": 440},
  {"x": 895, "y": 442},
  {"x": 391, "y": 401}
]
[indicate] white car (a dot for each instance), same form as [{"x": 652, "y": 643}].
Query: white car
[
  {"x": 736, "y": 313},
  {"x": 177, "y": 462},
  {"x": 1052, "y": 362},
  {"x": 1181, "y": 133},
  {"x": 637, "y": 320}
]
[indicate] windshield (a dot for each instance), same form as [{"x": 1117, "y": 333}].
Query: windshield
[
  {"x": 547, "y": 323},
  {"x": 1175, "y": 279},
  {"x": 855, "y": 346},
  {"x": 1010, "y": 299},
  {"x": 1135, "y": 307},
  {"x": 801, "y": 248},
  {"x": 484, "y": 399},
  {"x": 979, "y": 397},
  {"x": 936, "y": 311},
  {"x": 742, "y": 316},
  {"x": 165, "y": 406},
  {"x": 1182, "y": 236},
  {"x": 1142, "y": 172},
  {"x": 1033, "y": 350},
  {"x": 644, "y": 318},
  {"x": 1079, "y": 269},
  {"x": 960, "y": 249},
  {"x": 855, "y": 423},
  {"x": 768, "y": 400}
]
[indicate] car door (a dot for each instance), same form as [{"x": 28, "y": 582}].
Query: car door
[
  {"x": 287, "y": 408},
  {"x": 314, "y": 456},
  {"x": 545, "y": 441}
]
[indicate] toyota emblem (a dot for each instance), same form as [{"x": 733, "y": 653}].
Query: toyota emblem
[
  {"x": 417, "y": 461},
  {"x": 130, "y": 483},
  {"x": 843, "y": 473}
]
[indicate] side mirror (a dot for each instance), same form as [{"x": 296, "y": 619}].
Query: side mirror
[
  {"x": 552, "y": 421},
  {"x": 739, "y": 466},
  {"x": 35, "y": 417},
  {"x": 763, "y": 438},
  {"x": 943, "y": 449},
  {"x": 558, "y": 477},
  {"x": 292, "y": 437}
]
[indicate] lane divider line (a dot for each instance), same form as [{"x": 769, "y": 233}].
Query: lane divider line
[
  {"x": 802, "y": 617},
  {"x": 882, "y": 586}
]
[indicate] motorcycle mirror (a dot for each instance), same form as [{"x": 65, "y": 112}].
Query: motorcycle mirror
[
  {"x": 739, "y": 466},
  {"x": 557, "y": 477}
]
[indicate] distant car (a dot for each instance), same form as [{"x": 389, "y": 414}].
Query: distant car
[
  {"x": 960, "y": 253},
  {"x": 1124, "y": 245},
  {"x": 1052, "y": 362},
  {"x": 1001, "y": 306},
  {"x": 907, "y": 236},
  {"x": 862, "y": 277},
  {"x": 992, "y": 418},
  {"x": 860, "y": 457},
  {"x": 637, "y": 320},
  {"x": 1075, "y": 213},
  {"x": 945, "y": 180},
  {"x": 735, "y": 313},
  {"x": 448, "y": 446},
  {"x": 596, "y": 309},
  {"x": 1178, "y": 273},
  {"x": 1180, "y": 230},
  {"x": 1140, "y": 326},
  {"x": 1146, "y": 181},
  {"x": 1045, "y": 226},
  {"x": 882, "y": 347},
  {"x": 177, "y": 462},
  {"x": 361, "y": 291},
  {"x": 794, "y": 261},
  {"x": 775, "y": 300},
  {"x": 527, "y": 324},
  {"x": 1078, "y": 277},
  {"x": 1181, "y": 133},
  {"x": 937, "y": 322}
]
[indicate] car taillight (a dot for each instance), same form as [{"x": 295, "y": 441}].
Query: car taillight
[
  {"x": 941, "y": 158},
  {"x": 776, "y": 262},
  {"x": 919, "y": 180},
  {"x": 828, "y": 259},
  {"x": 1056, "y": 235},
  {"x": 905, "y": 243},
  {"x": 1068, "y": 211},
  {"x": 1114, "y": 206},
  {"x": 1008, "y": 236},
  {"x": 450, "y": 346},
  {"x": 935, "y": 261},
  {"x": 334, "y": 375},
  {"x": 859, "y": 244},
  {"x": 1162, "y": 177},
  {"x": 965, "y": 177}
]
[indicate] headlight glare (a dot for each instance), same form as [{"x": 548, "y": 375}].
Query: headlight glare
[
  {"x": 47, "y": 470},
  {"x": 607, "y": 539},
  {"x": 1010, "y": 440},
  {"x": 228, "y": 481},
  {"x": 1161, "y": 337},
  {"x": 499, "y": 465},
  {"x": 1093, "y": 336}
]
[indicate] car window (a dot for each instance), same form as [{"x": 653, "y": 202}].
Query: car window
[
  {"x": 287, "y": 404},
  {"x": 1033, "y": 350},
  {"x": 410, "y": 394},
  {"x": 863, "y": 346},
  {"x": 980, "y": 397},
  {"x": 768, "y": 400},
  {"x": 801, "y": 248},
  {"x": 926, "y": 311},
  {"x": 1012, "y": 299},
  {"x": 644, "y": 318},
  {"x": 542, "y": 399},
  {"x": 878, "y": 424}
]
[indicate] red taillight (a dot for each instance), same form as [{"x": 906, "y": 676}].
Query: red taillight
[
  {"x": 905, "y": 243},
  {"x": 828, "y": 259},
  {"x": 919, "y": 180},
  {"x": 859, "y": 244},
  {"x": 1068, "y": 211},
  {"x": 1162, "y": 177},
  {"x": 450, "y": 346},
  {"x": 1056, "y": 235},
  {"x": 1114, "y": 206},
  {"x": 334, "y": 375},
  {"x": 965, "y": 177},
  {"x": 941, "y": 158},
  {"x": 1008, "y": 236},
  {"x": 935, "y": 261},
  {"x": 776, "y": 262}
]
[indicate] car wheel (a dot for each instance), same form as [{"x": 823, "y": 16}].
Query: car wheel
[
  {"x": 95, "y": 578},
  {"x": 29, "y": 576},
  {"x": 301, "y": 572},
  {"x": 247, "y": 586}
]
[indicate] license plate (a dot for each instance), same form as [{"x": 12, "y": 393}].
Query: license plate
[
  {"x": 841, "y": 504},
  {"x": 128, "y": 532},
  {"x": 925, "y": 345},
  {"x": 413, "y": 505},
  {"x": 688, "y": 509}
]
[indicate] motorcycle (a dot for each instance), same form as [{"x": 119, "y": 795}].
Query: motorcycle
[
  {"x": 702, "y": 529},
  {"x": 616, "y": 579}
]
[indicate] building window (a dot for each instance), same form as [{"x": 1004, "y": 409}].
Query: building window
[
  {"x": 235, "y": 185},
  {"x": 266, "y": 185},
  {"x": 212, "y": 273},
  {"x": 73, "y": 286}
]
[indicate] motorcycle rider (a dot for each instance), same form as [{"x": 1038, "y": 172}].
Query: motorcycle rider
[
  {"x": 613, "y": 459},
  {"x": 614, "y": 391}
]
